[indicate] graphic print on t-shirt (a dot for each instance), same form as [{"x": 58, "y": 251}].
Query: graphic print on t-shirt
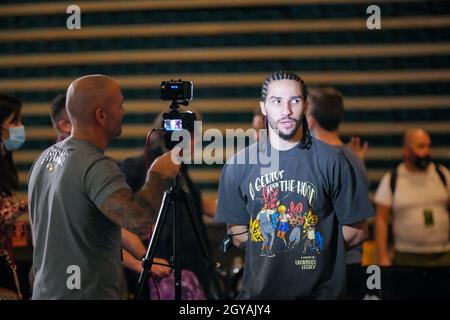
[
  {"x": 286, "y": 220},
  {"x": 56, "y": 156}
]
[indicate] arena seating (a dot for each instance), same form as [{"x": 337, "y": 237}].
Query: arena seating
[{"x": 392, "y": 78}]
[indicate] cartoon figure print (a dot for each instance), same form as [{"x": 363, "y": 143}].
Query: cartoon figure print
[
  {"x": 294, "y": 227},
  {"x": 264, "y": 226},
  {"x": 283, "y": 226},
  {"x": 295, "y": 236},
  {"x": 296, "y": 220},
  {"x": 265, "y": 218},
  {"x": 313, "y": 239}
]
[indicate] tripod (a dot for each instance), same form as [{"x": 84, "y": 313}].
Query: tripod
[{"x": 175, "y": 198}]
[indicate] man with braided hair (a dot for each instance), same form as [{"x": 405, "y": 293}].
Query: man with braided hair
[{"x": 312, "y": 183}]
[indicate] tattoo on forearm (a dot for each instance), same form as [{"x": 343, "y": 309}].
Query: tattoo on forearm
[
  {"x": 136, "y": 213},
  {"x": 121, "y": 208},
  {"x": 151, "y": 194}
]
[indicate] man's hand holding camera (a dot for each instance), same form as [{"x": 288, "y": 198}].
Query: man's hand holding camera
[{"x": 167, "y": 165}]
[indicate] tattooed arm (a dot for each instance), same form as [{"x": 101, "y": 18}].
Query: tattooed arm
[
  {"x": 137, "y": 213},
  {"x": 133, "y": 213}
]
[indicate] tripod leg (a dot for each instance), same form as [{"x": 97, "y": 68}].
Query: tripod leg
[
  {"x": 148, "y": 260},
  {"x": 202, "y": 239},
  {"x": 176, "y": 246}
]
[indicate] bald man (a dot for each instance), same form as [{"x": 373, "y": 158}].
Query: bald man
[
  {"x": 417, "y": 195},
  {"x": 79, "y": 199}
]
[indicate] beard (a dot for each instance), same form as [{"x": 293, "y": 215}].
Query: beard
[
  {"x": 421, "y": 162},
  {"x": 116, "y": 132},
  {"x": 286, "y": 135}
]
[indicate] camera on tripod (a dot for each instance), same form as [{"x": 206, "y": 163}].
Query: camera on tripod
[
  {"x": 177, "y": 202},
  {"x": 179, "y": 92}
]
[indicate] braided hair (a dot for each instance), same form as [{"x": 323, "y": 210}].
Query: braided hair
[{"x": 305, "y": 143}]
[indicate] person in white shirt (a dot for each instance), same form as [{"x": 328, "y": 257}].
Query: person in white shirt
[{"x": 417, "y": 196}]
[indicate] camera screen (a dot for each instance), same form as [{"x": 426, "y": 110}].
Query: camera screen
[
  {"x": 176, "y": 90},
  {"x": 173, "y": 124}
]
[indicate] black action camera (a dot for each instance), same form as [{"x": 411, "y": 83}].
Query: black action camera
[{"x": 179, "y": 92}]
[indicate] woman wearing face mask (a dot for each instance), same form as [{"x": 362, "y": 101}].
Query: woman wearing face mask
[{"x": 12, "y": 138}]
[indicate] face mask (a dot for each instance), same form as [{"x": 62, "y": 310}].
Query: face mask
[
  {"x": 421, "y": 162},
  {"x": 16, "y": 138}
]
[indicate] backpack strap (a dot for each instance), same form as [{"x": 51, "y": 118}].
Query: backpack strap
[
  {"x": 441, "y": 174},
  {"x": 393, "y": 181},
  {"x": 392, "y": 184}
]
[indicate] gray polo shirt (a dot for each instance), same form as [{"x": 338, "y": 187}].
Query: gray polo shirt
[{"x": 77, "y": 249}]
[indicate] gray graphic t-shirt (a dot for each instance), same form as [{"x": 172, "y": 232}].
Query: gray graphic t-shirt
[
  {"x": 77, "y": 249},
  {"x": 295, "y": 214},
  {"x": 354, "y": 256}
]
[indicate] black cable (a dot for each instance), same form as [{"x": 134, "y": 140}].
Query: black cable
[
  {"x": 236, "y": 234},
  {"x": 227, "y": 243},
  {"x": 146, "y": 148}
]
